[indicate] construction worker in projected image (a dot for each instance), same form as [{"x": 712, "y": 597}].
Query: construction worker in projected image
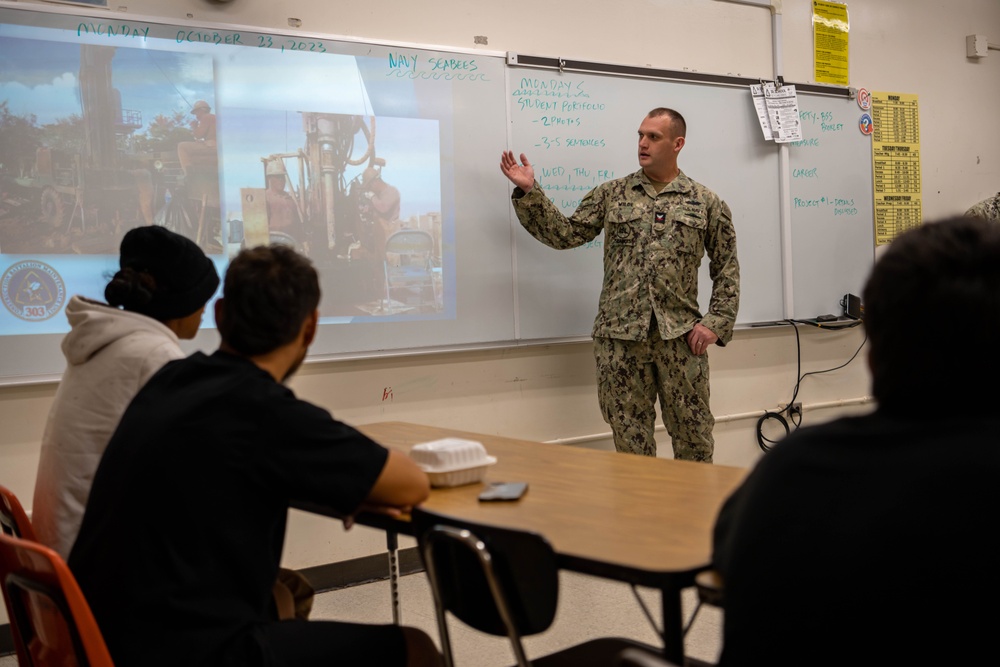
[
  {"x": 202, "y": 150},
  {"x": 284, "y": 221},
  {"x": 380, "y": 207},
  {"x": 381, "y": 199}
]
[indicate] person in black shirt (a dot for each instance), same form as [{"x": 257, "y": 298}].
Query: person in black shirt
[
  {"x": 182, "y": 536},
  {"x": 867, "y": 540}
]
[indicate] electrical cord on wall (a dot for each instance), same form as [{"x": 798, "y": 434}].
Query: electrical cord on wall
[{"x": 795, "y": 416}]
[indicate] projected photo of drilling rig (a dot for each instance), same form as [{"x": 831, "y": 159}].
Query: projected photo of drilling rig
[
  {"x": 92, "y": 144},
  {"x": 337, "y": 199}
]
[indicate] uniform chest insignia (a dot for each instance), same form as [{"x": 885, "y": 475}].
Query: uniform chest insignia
[{"x": 623, "y": 233}]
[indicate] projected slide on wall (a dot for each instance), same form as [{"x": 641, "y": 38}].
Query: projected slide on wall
[{"x": 359, "y": 157}]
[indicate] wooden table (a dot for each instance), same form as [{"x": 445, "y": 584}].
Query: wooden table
[{"x": 646, "y": 521}]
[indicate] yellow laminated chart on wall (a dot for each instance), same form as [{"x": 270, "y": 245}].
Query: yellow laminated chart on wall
[
  {"x": 896, "y": 164},
  {"x": 831, "y": 29}
]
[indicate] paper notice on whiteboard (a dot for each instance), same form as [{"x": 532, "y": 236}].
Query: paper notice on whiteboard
[
  {"x": 760, "y": 106},
  {"x": 783, "y": 112}
]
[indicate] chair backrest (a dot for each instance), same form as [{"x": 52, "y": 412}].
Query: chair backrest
[
  {"x": 497, "y": 580},
  {"x": 13, "y": 519},
  {"x": 523, "y": 564},
  {"x": 710, "y": 587},
  {"x": 410, "y": 242},
  {"x": 50, "y": 619},
  {"x": 408, "y": 256}
]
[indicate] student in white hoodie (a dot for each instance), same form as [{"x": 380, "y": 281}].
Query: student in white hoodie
[{"x": 112, "y": 349}]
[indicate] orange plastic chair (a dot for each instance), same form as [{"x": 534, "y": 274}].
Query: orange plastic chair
[
  {"x": 50, "y": 619},
  {"x": 13, "y": 519}
]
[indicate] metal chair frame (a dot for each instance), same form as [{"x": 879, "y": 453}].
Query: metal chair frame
[
  {"x": 398, "y": 278},
  {"x": 477, "y": 547},
  {"x": 501, "y": 581}
]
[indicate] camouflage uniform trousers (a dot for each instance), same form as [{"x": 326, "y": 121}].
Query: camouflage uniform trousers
[{"x": 630, "y": 376}]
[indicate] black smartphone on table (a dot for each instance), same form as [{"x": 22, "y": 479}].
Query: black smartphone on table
[{"x": 503, "y": 491}]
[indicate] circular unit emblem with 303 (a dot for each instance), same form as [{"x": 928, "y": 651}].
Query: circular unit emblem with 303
[{"x": 32, "y": 290}]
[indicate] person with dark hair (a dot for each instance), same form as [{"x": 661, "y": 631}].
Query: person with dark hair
[
  {"x": 866, "y": 540},
  {"x": 184, "y": 529},
  {"x": 650, "y": 336},
  {"x": 267, "y": 296},
  {"x": 156, "y": 299}
]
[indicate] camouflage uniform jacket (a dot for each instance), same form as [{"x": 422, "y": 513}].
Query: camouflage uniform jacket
[
  {"x": 653, "y": 245},
  {"x": 988, "y": 208}
]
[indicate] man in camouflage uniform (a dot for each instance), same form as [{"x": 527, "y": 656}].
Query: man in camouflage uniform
[
  {"x": 650, "y": 337},
  {"x": 988, "y": 209}
]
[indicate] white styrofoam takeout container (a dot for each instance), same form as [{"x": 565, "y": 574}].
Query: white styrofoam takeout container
[{"x": 452, "y": 461}]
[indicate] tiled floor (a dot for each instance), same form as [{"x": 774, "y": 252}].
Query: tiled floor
[{"x": 588, "y": 607}]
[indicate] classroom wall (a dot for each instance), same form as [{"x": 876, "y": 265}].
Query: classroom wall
[{"x": 548, "y": 392}]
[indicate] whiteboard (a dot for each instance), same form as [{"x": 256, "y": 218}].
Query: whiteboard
[
  {"x": 832, "y": 236},
  {"x": 105, "y": 101},
  {"x": 579, "y": 129},
  {"x": 441, "y": 119}
]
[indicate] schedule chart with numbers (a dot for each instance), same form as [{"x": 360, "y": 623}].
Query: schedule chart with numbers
[{"x": 895, "y": 164}]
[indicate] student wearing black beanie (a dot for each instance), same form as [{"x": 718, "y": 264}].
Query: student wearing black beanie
[
  {"x": 156, "y": 299},
  {"x": 163, "y": 275}
]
